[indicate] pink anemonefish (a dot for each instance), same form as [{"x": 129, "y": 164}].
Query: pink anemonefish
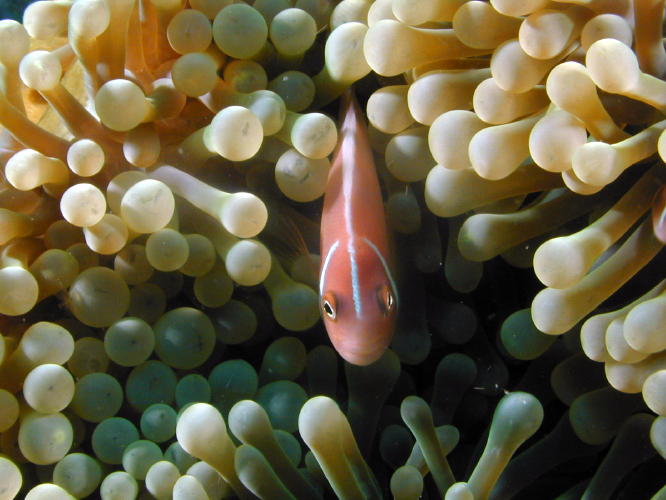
[{"x": 358, "y": 295}]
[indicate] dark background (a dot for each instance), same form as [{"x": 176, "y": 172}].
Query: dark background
[{"x": 13, "y": 9}]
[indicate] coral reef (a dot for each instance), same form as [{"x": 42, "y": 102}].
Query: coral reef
[{"x": 163, "y": 164}]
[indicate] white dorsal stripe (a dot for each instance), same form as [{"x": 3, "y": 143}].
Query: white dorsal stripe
[
  {"x": 324, "y": 268},
  {"x": 349, "y": 164},
  {"x": 394, "y": 288},
  {"x": 356, "y": 287}
]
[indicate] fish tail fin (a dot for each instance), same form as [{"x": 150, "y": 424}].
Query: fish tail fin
[{"x": 350, "y": 115}]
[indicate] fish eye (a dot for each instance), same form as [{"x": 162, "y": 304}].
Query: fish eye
[
  {"x": 328, "y": 305},
  {"x": 386, "y": 300}
]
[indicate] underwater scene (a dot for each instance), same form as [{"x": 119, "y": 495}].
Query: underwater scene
[{"x": 320, "y": 249}]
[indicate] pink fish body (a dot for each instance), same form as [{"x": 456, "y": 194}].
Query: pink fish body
[{"x": 358, "y": 295}]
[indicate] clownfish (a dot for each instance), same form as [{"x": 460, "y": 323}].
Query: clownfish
[{"x": 358, "y": 295}]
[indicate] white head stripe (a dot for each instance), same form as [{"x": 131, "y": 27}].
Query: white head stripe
[
  {"x": 394, "y": 288},
  {"x": 324, "y": 268}
]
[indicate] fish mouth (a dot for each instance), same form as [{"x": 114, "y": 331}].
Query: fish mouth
[{"x": 359, "y": 355}]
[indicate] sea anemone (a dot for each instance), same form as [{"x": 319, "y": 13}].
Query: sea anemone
[{"x": 163, "y": 163}]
